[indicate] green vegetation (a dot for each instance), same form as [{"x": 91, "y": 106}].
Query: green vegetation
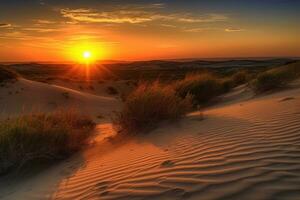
[
  {"x": 148, "y": 105},
  {"x": 276, "y": 78},
  {"x": 35, "y": 137}
]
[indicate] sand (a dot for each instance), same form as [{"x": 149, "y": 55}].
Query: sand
[
  {"x": 27, "y": 96},
  {"x": 245, "y": 149}
]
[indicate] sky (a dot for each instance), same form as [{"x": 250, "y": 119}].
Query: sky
[{"x": 58, "y": 30}]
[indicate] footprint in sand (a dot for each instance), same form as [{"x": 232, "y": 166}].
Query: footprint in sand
[{"x": 167, "y": 163}]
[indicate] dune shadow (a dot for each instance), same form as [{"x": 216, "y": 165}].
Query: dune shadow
[{"x": 40, "y": 177}]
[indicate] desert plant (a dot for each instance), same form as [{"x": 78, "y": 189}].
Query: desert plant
[
  {"x": 148, "y": 105},
  {"x": 276, "y": 78},
  {"x": 39, "y": 136},
  {"x": 240, "y": 77},
  {"x": 7, "y": 74},
  {"x": 202, "y": 87},
  {"x": 111, "y": 90}
]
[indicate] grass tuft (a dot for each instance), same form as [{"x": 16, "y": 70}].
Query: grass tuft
[
  {"x": 111, "y": 90},
  {"x": 39, "y": 136},
  {"x": 148, "y": 105},
  {"x": 7, "y": 74},
  {"x": 276, "y": 78},
  {"x": 202, "y": 87}
]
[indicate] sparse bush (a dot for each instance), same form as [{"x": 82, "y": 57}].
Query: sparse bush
[
  {"x": 276, "y": 78},
  {"x": 34, "y": 137},
  {"x": 7, "y": 74},
  {"x": 148, "y": 105},
  {"x": 240, "y": 77},
  {"x": 202, "y": 87},
  {"x": 111, "y": 90}
]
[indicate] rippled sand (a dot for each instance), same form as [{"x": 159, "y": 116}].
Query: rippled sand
[{"x": 248, "y": 150}]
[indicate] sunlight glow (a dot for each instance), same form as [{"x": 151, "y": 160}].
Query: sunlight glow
[
  {"x": 87, "y": 55},
  {"x": 87, "y": 52}
]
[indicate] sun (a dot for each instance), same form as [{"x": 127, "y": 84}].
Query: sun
[
  {"x": 87, "y": 55},
  {"x": 86, "y": 52}
]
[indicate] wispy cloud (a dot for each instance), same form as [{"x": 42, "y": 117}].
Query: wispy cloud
[
  {"x": 42, "y": 21},
  {"x": 5, "y": 25},
  {"x": 233, "y": 30},
  {"x": 205, "y": 19},
  {"x": 169, "y": 25},
  {"x": 123, "y": 16},
  {"x": 136, "y": 15},
  {"x": 200, "y": 30},
  {"x": 41, "y": 30}
]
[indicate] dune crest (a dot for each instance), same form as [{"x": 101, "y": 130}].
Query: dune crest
[{"x": 28, "y": 96}]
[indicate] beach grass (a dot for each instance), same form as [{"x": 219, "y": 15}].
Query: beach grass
[{"x": 42, "y": 136}]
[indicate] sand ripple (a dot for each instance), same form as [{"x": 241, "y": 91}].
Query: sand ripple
[{"x": 249, "y": 151}]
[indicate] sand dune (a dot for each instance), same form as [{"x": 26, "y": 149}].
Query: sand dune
[
  {"x": 27, "y": 96},
  {"x": 246, "y": 150}
]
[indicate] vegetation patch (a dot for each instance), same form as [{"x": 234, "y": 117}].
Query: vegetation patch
[
  {"x": 240, "y": 77},
  {"x": 148, "y": 105},
  {"x": 202, "y": 87},
  {"x": 7, "y": 74},
  {"x": 42, "y": 137},
  {"x": 111, "y": 90},
  {"x": 276, "y": 78}
]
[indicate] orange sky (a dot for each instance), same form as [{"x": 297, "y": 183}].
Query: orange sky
[{"x": 54, "y": 32}]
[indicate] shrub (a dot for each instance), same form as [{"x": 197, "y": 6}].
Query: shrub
[
  {"x": 111, "y": 90},
  {"x": 7, "y": 74},
  {"x": 202, "y": 87},
  {"x": 240, "y": 77},
  {"x": 276, "y": 78},
  {"x": 148, "y": 105},
  {"x": 29, "y": 138}
]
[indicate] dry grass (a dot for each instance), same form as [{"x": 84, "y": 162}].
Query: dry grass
[
  {"x": 240, "y": 77},
  {"x": 7, "y": 74},
  {"x": 111, "y": 90},
  {"x": 149, "y": 105},
  {"x": 39, "y": 136},
  {"x": 202, "y": 87},
  {"x": 276, "y": 78}
]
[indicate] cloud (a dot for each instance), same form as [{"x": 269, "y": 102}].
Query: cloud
[
  {"x": 135, "y": 15},
  {"x": 157, "y": 5},
  {"x": 233, "y": 30},
  {"x": 199, "y": 30},
  {"x": 5, "y": 25},
  {"x": 205, "y": 19},
  {"x": 169, "y": 25},
  {"x": 42, "y": 21},
  {"x": 41, "y": 30},
  {"x": 194, "y": 30},
  {"x": 15, "y": 35},
  {"x": 122, "y": 16}
]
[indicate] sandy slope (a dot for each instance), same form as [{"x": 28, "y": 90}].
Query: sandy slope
[
  {"x": 97, "y": 87},
  {"x": 246, "y": 150},
  {"x": 26, "y": 96}
]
